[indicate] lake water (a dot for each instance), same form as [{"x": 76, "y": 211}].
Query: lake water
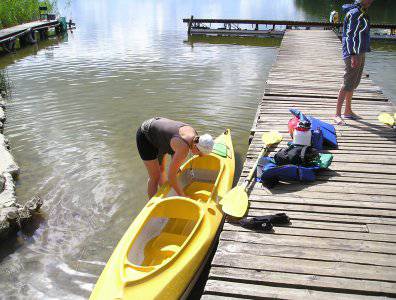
[{"x": 76, "y": 103}]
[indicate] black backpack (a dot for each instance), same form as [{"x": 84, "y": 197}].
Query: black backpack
[{"x": 296, "y": 155}]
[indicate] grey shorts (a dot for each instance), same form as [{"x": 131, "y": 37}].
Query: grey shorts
[{"x": 352, "y": 76}]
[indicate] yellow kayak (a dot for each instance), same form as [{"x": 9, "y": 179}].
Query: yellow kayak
[{"x": 163, "y": 250}]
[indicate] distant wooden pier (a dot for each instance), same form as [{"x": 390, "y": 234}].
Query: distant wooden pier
[
  {"x": 270, "y": 28},
  {"x": 342, "y": 240}
]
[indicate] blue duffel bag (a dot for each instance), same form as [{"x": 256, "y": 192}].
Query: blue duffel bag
[{"x": 269, "y": 172}]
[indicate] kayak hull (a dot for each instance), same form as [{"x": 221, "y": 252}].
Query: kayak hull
[{"x": 164, "y": 248}]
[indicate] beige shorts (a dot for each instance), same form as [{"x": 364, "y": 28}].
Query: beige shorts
[{"x": 352, "y": 76}]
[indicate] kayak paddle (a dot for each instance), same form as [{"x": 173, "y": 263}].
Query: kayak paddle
[
  {"x": 387, "y": 119},
  {"x": 235, "y": 202}
]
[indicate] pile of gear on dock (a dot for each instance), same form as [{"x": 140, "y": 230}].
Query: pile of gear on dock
[{"x": 303, "y": 156}]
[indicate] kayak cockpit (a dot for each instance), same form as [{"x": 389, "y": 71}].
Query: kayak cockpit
[
  {"x": 200, "y": 177},
  {"x": 168, "y": 227},
  {"x": 172, "y": 221}
]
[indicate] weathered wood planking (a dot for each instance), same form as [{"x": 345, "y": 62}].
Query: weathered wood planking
[
  {"x": 342, "y": 239},
  {"x": 9, "y": 32}
]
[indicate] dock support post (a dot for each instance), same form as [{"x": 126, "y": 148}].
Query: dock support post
[
  {"x": 9, "y": 46},
  {"x": 28, "y": 38},
  {"x": 43, "y": 34},
  {"x": 189, "y": 25}
]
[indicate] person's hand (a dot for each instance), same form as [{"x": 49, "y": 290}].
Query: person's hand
[{"x": 355, "y": 62}]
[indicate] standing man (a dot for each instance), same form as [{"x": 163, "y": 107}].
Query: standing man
[{"x": 355, "y": 43}]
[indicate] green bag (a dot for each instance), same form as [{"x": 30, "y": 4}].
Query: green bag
[{"x": 324, "y": 160}]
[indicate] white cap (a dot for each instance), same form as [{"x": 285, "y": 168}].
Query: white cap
[{"x": 205, "y": 144}]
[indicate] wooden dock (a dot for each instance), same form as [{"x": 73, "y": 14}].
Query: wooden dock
[
  {"x": 342, "y": 240},
  {"x": 271, "y": 28},
  {"x": 26, "y": 33}
]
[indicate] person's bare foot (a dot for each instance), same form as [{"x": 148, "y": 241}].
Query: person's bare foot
[{"x": 338, "y": 120}]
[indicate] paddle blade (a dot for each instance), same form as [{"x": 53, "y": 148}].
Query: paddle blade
[
  {"x": 271, "y": 137},
  {"x": 235, "y": 203},
  {"x": 387, "y": 119}
]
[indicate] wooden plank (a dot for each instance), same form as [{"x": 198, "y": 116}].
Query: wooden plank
[
  {"x": 340, "y": 203},
  {"x": 308, "y": 241},
  {"x": 230, "y": 288},
  {"x": 264, "y": 277},
  {"x": 217, "y": 297},
  {"x": 315, "y": 94},
  {"x": 311, "y": 253},
  {"x": 295, "y": 231},
  {"x": 308, "y": 102},
  {"x": 325, "y": 195},
  {"x": 269, "y": 292},
  {"x": 311, "y": 216},
  {"x": 376, "y": 228},
  {"x": 302, "y": 207},
  {"x": 303, "y": 266},
  {"x": 325, "y": 225}
]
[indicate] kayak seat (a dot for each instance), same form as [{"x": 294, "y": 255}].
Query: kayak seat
[
  {"x": 198, "y": 190},
  {"x": 162, "y": 248},
  {"x": 170, "y": 248}
]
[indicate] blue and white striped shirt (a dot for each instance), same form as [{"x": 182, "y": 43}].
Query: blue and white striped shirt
[{"x": 356, "y": 31}]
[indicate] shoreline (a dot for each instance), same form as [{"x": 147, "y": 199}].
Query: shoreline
[{"x": 13, "y": 216}]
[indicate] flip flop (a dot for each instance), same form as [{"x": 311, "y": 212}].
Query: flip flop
[{"x": 339, "y": 121}]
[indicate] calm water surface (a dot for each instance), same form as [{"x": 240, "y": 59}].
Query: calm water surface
[{"x": 75, "y": 106}]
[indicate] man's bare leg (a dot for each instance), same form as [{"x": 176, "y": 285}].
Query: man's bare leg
[{"x": 348, "y": 103}]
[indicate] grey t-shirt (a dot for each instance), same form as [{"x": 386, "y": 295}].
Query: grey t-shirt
[{"x": 161, "y": 131}]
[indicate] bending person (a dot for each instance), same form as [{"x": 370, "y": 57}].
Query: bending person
[{"x": 157, "y": 137}]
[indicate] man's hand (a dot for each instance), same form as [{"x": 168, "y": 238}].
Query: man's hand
[{"x": 355, "y": 62}]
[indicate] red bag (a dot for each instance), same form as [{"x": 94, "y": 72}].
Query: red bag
[{"x": 293, "y": 124}]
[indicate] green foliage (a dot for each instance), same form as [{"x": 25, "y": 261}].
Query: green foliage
[{"x": 14, "y": 12}]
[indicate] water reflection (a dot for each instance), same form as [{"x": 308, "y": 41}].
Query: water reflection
[{"x": 243, "y": 41}]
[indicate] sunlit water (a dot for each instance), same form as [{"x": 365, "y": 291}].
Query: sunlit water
[{"x": 74, "y": 109}]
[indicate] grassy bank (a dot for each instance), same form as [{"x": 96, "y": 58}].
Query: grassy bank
[{"x": 14, "y": 12}]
